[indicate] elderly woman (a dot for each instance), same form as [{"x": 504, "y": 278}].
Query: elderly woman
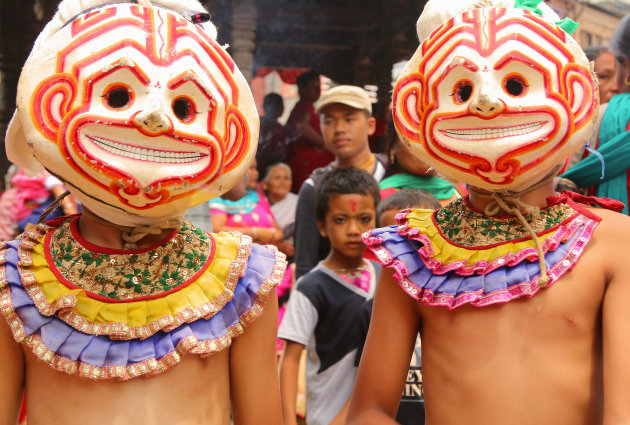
[
  {"x": 277, "y": 187},
  {"x": 249, "y": 214}
]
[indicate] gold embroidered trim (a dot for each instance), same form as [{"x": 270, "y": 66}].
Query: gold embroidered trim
[
  {"x": 151, "y": 366},
  {"x": 120, "y": 330},
  {"x": 463, "y": 226}
]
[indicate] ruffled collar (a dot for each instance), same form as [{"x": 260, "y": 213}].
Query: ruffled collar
[
  {"x": 82, "y": 293},
  {"x": 459, "y": 238},
  {"x": 433, "y": 269}
]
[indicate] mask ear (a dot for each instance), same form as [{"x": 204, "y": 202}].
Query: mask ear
[
  {"x": 580, "y": 90},
  {"x": 237, "y": 138},
  {"x": 51, "y": 101},
  {"x": 407, "y": 106},
  {"x": 17, "y": 147}
]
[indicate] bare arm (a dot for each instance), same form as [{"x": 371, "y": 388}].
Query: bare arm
[
  {"x": 259, "y": 234},
  {"x": 289, "y": 370},
  {"x": 386, "y": 357},
  {"x": 616, "y": 324},
  {"x": 12, "y": 373},
  {"x": 305, "y": 129},
  {"x": 255, "y": 392}
]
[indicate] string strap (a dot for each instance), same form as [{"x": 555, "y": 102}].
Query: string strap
[
  {"x": 516, "y": 207},
  {"x": 52, "y": 206},
  {"x": 509, "y": 202}
]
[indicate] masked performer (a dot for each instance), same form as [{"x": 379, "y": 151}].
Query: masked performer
[
  {"x": 521, "y": 294},
  {"x": 127, "y": 314}
]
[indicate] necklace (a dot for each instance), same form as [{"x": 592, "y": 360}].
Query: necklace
[
  {"x": 354, "y": 270},
  {"x": 368, "y": 163}
]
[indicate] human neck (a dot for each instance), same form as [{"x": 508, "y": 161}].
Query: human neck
[
  {"x": 274, "y": 197},
  {"x": 365, "y": 160},
  {"x": 337, "y": 261},
  {"x": 480, "y": 198},
  {"x": 102, "y": 233}
]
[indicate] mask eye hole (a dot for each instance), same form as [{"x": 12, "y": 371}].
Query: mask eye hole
[
  {"x": 515, "y": 85},
  {"x": 462, "y": 91},
  {"x": 184, "y": 109},
  {"x": 118, "y": 97}
]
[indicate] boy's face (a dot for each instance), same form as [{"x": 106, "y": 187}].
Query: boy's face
[
  {"x": 347, "y": 217},
  {"x": 346, "y": 130}
]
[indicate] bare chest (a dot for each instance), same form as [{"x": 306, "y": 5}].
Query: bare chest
[{"x": 181, "y": 395}]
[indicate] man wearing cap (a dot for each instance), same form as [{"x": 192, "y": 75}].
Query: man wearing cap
[{"x": 347, "y": 122}]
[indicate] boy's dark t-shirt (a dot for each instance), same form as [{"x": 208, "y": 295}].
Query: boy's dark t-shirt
[
  {"x": 411, "y": 407},
  {"x": 323, "y": 315}
]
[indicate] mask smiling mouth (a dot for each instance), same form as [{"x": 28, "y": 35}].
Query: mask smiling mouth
[
  {"x": 493, "y": 132},
  {"x": 144, "y": 154}
]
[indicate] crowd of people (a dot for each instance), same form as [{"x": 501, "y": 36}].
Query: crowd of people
[{"x": 411, "y": 247}]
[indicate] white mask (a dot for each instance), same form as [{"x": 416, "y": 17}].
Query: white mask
[
  {"x": 139, "y": 111},
  {"x": 497, "y": 98}
]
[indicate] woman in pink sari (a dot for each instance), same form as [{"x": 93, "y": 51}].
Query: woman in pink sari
[{"x": 251, "y": 214}]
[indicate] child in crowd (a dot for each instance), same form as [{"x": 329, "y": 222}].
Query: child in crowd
[
  {"x": 411, "y": 408},
  {"x": 323, "y": 311},
  {"x": 347, "y": 122}
]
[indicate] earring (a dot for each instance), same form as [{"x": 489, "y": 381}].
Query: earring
[{"x": 626, "y": 81}]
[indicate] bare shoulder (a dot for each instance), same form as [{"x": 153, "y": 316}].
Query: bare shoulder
[
  {"x": 614, "y": 226},
  {"x": 611, "y": 240}
]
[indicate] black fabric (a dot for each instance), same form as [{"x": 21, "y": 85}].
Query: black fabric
[
  {"x": 310, "y": 246},
  {"x": 337, "y": 329}
]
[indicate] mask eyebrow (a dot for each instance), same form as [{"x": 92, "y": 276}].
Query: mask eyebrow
[
  {"x": 456, "y": 63},
  {"x": 189, "y": 75},
  {"x": 124, "y": 62},
  {"x": 463, "y": 62},
  {"x": 515, "y": 56}
]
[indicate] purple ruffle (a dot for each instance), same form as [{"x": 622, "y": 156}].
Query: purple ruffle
[
  {"x": 260, "y": 277},
  {"x": 453, "y": 290}
]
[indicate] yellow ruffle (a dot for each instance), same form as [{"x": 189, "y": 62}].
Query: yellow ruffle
[
  {"x": 140, "y": 319},
  {"x": 445, "y": 252}
]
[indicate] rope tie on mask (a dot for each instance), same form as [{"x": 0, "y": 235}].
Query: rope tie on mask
[
  {"x": 514, "y": 206},
  {"x": 52, "y": 206},
  {"x": 509, "y": 202},
  {"x": 137, "y": 233}
]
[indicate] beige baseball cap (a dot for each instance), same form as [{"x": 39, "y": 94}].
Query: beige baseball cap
[{"x": 353, "y": 96}]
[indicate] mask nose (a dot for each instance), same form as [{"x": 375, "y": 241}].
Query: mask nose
[
  {"x": 486, "y": 103},
  {"x": 153, "y": 120}
]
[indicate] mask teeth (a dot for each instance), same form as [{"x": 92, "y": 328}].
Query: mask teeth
[
  {"x": 144, "y": 154},
  {"x": 491, "y": 133}
]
